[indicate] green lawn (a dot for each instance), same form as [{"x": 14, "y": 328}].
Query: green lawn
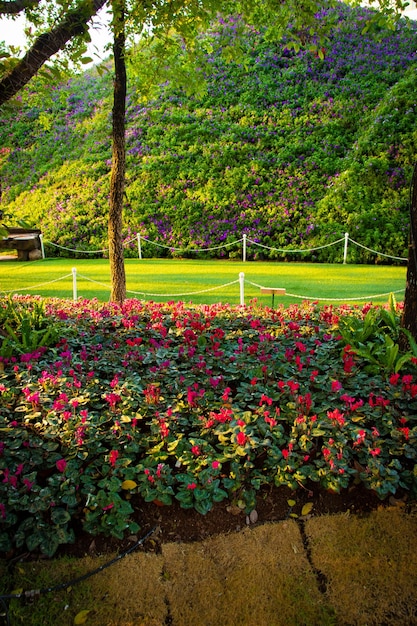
[{"x": 205, "y": 282}]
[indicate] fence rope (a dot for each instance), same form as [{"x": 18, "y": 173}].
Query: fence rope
[
  {"x": 379, "y": 295},
  {"x": 161, "y": 245},
  {"x": 55, "y": 245},
  {"x": 293, "y": 295},
  {"x": 162, "y": 295},
  {"x": 389, "y": 256},
  {"x": 291, "y": 250},
  {"x": 49, "y": 282},
  {"x": 233, "y": 243},
  {"x": 186, "y": 293},
  {"x": 201, "y": 291},
  {"x": 92, "y": 280}
]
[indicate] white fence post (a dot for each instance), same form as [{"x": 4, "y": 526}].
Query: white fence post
[
  {"x": 42, "y": 248},
  {"x": 346, "y": 248},
  {"x": 74, "y": 284},
  {"x": 242, "y": 288},
  {"x": 244, "y": 248},
  {"x": 139, "y": 247}
]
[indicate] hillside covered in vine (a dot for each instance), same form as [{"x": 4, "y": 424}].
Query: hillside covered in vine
[{"x": 289, "y": 148}]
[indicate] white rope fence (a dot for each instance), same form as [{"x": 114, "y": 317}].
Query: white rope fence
[
  {"x": 244, "y": 240},
  {"x": 241, "y": 280}
]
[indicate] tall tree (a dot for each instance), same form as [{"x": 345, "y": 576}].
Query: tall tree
[
  {"x": 117, "y": 181},
  {"x": 409, "y": 317}
]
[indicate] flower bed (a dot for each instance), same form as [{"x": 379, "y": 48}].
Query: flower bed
[{"x": 195, "y": 403}]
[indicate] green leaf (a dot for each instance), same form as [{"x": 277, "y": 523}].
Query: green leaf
[
  {"x": 60, "y": 516},
  {"x": 317, "y": 432}
]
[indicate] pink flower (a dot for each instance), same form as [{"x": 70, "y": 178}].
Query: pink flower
[
  {"x": 28, "y": 484},
  {"x": 375, "y": 451},
  {"x": 336, "y": 386},
  {"x": 19, "y": 469},
  {"x": 196, "y": 450},
  {"x": 61, "y": 464},
  {"x": 191, "y": 486},
  {"x": 215, "y": 465},
  {"x": 114, "y": 382},
  {"x": 113, "y": 398},
  {"x": 191, "y": 396},
  {"x": 108, "y": 507}
]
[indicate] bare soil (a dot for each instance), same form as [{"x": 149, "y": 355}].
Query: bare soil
[{"x": 174, "y": 524}]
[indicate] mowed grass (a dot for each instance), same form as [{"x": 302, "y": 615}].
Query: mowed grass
[{"x": 205, "y": 281}]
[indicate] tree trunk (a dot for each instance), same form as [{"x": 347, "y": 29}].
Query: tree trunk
[
  {"x": 409, "y": 317},
  {"x": 117, "y": 181}
]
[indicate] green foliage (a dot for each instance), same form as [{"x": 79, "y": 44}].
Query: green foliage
[
  {"x": 26, "y": 326},
  {"x": 375, "y": 336},
  {"x": 291, "y": 148}
]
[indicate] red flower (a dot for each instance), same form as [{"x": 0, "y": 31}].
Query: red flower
[
  {"x": 113, "y": 457},
  {"x": 226, "y": 392},
  {"x": 394, "y": 379},
  {"x": 241, "y": 439},
  {"x": 313, "y": 375},
  {"x": 336, "y": 416},
  {"x": 405, "y": 431},
  {"x": 191, "y": 486}
]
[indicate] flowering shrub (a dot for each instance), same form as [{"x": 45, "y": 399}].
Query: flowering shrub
[
  {"x": 288, "y": 148},
  {"x": 197, "y": 404}
]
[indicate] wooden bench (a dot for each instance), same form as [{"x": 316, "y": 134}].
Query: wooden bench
[
  {"x": 24, "y": 240},
  {"x": 275, "y": 291}
]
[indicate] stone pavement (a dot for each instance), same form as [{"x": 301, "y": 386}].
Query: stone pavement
[{"x": 332, "y": 570}]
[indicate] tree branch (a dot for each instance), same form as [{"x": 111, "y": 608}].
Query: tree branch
[
  {"x": 15, "y": 7},
  {"x": 46, "y": 45}
]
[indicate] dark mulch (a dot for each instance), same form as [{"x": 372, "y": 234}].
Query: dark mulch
[{"x": 172, "y": 523}]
